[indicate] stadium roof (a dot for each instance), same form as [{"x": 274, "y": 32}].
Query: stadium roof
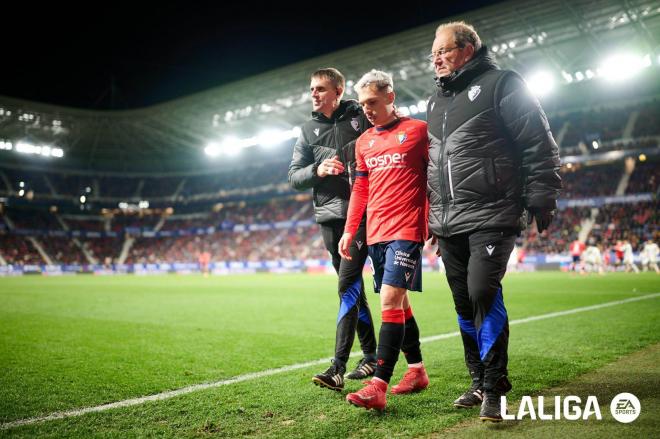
[{"x": 560, "y": 36}]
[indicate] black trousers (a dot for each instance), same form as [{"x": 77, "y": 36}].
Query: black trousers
[
  {"x": 354, "y": 313},
  {"x": 475, "y": 264}
]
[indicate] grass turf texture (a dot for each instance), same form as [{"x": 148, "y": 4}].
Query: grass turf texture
[{"x": 71, "y": 342}]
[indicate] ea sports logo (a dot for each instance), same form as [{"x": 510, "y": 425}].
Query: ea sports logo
[{"x": 625, "y": 407}]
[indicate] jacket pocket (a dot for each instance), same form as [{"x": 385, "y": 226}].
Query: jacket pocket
[{"x": 471, "y": 179}]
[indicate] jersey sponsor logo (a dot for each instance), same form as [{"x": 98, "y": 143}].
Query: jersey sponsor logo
[
  {"x": 489, "y": 249},
  {"x": 386, "y": 160},
  {"x": 401, "y": 136},
  {"x": 355, "y": 124},
  {"x": 474, "y": 92},
  {"x": 316, "y": 131}
]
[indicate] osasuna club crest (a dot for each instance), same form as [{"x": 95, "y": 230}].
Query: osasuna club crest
[
  {"x": 371, "y": 142},
  {"x": 474, "y": 92},
  {"x": 355, "y": 124},
  {"x": 401, "y": 136}
]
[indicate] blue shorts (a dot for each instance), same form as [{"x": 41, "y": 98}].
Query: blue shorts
[{"x": 397, "y": 263}]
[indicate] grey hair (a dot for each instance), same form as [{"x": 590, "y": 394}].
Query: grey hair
[
  {"x": 463, "y": 33},
  {"x": 381, "y": 80}
]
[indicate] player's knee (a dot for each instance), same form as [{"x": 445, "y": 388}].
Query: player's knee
[{"x": 391, "y": 297}]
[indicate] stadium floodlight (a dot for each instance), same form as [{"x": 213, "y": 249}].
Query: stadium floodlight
[
  {"x": 83, "y": 199},
  {"x": 421, "y": 106},
  {"x": 567, "y": 76},
  {"x": 43, "y": 150},
  {"x": 7, "y": 146},
  {"x": 212, "y": 149},
  {"x": 271, "y": 137},
  {"x": 579, "y": 76},
  {"x": 143, "y": 204},
  {"x": 232, "y": 145},
  {"x": 405, "y": 111},
  {"x": 413, "y": 109},
  {"x": 642, "y": 157},
  {"x": 646, "y": 61},
  {"x": 541, "y": 83},
  {"x": 621, "y": 66},
  {"x": 595, "y": 144},
  {"x": 21, "y": 192}
]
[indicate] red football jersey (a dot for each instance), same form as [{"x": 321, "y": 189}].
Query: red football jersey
[{"x": 391, "y": 182}]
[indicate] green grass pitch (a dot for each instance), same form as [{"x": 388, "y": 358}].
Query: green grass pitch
[{"x": 73, "y": 342}]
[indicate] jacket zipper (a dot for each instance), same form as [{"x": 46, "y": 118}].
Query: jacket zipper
[
  {"x": 443, "y": 225},
  {"x": 451, "y": 183}
]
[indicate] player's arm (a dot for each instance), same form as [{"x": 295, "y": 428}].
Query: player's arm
[{"x": 357, "y": 204}]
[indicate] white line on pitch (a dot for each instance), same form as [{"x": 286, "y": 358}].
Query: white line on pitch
[{"x": 264, "y": 373}]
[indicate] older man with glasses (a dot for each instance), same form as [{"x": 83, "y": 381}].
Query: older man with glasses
[{"x": 493, "y": 163}]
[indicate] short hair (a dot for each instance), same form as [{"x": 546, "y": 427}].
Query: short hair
[
  {"x": 381, "y": 80},
  {"x": 463, "y": 33},
  {"x": 332, "y": 74}
]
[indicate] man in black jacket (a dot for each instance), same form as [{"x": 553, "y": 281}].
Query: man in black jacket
[
  {"x": 323, "y": 157},
  {"x": 493, "y": 164}
]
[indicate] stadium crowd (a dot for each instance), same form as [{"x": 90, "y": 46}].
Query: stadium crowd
[{"x": 634, "y": 222}]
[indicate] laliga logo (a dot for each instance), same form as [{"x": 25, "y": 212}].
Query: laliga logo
[
  {"x": 570, "y": 405},
  {"x": 386, "y": 160},
  {"x": 625, "y": 408}
]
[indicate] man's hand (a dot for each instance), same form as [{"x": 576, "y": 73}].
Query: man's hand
[
  {"x": 543, "y": 218},
  {"x": 434, "y": 241},
  {"x": 330, "y": 167},
  {"x": 344, "y": 245}
]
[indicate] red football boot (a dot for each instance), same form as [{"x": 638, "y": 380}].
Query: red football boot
[
  {"x": 372, "y": 396},
  {"x": 414, "y": 380}
]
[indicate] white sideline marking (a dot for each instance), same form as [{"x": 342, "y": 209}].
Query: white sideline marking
[{"x": 268, "y": 372}]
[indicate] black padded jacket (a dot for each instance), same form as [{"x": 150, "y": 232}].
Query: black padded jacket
[
  {"x": 322, "y": 138},
  {"x": 492, "y": 155}
]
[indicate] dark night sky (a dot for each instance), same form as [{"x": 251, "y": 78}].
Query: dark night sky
[{"x": 111, "y": 55}]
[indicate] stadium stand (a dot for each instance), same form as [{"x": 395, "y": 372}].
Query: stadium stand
[{"x": 152, "y": 197}]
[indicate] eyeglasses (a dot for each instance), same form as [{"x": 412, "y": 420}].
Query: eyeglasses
[{"x": 440, "y": 52}]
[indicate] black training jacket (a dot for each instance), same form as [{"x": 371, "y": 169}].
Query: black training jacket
[
  {"x": 322, "y": 138},
  {"x": 492, "y": 155}
]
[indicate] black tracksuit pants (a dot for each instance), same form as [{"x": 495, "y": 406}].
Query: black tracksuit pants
[
  {"x": 475, "y": 264},
  {"x": 354, "y": 313}
]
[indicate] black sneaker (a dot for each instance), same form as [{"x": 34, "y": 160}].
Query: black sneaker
[
  {"x": 473, "y": 397},
  {"x": 363, "y": 370},
  {"x": 333, "y": 378},
  {"x": 491, "y": 408}
]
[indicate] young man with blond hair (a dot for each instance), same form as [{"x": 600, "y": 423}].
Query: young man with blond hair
[{"x": 390, "y": 185}]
